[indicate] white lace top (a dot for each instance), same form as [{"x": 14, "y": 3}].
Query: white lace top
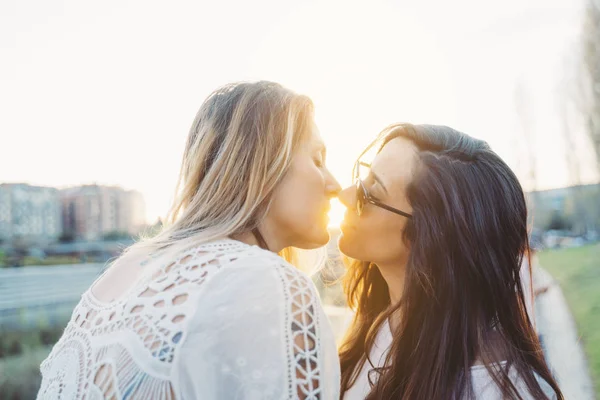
[{"x": 224, "y": 321}]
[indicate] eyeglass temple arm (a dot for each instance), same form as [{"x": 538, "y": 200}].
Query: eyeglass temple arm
[{"x": 392, "y": 209}]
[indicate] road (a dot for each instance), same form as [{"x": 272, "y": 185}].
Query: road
[{"x": 39, "y": 296}]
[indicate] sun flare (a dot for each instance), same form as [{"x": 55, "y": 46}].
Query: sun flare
[{"x": 336, "y": 214}]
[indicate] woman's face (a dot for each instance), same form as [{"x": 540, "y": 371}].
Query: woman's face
[
  {"x": 376, "y": 235},
  {"x": 298, "y": 213}
]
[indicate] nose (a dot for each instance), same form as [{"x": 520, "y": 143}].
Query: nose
[
  {"x": 332, "y": 186},
  {"x": 347, "y": 197}
]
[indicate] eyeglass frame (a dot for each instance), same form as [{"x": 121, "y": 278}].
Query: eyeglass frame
[{"x": 365, "y": 196}]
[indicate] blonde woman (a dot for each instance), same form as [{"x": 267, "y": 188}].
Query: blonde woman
[{"x": 208, "y": 309}]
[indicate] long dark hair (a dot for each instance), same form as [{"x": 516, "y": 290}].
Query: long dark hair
[{"x": 462, "y": 297}]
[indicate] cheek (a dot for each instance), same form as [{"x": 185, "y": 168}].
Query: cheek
[
  {"x": 307, "y": 192},
  {"x": 300, "y": 197}
]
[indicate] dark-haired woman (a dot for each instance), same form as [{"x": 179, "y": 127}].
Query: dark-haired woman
[{"x": 436, "y": 229}]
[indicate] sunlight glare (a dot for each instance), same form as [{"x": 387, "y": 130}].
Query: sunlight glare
[{"x": 336, "y": 214}]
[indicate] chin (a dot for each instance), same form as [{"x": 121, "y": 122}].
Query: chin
[
  {"x": 345, "y": 245},
  {"x": 318, "y": 239},
  {"x": 322, "y": 238},
  {"x": 351, "y": 249}
]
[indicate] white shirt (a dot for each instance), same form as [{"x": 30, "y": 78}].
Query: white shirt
[
  {"x": 484, "y": 387},
  {"x": 251, "y": 327}
]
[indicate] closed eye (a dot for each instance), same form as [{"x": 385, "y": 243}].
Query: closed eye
[
  {"x": 371, "y": 185},
  {"x": 372, "y": 191},
  {"x": 374, "y": 177},
  {"x": 373, "y": 197},
  {"x": 319, "y": 159}
]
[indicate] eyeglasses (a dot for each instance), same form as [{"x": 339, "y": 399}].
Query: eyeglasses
[{"x": 363, "y": 196}]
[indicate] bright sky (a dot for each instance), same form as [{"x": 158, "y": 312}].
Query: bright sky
[{"x": 106, "y": 91}]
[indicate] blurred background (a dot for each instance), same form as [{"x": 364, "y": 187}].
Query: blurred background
[{"x": 97, "y": 99}]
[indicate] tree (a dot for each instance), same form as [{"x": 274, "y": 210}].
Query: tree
[
  {"x": 559, "y": 222},
  {"x": 526, "y": 145},
  {"x": 527, "y": 138},
  {"x": 589, "y": 82},
  {"x": 569, "y": 106},
  {"x": 116, "y": 235}
]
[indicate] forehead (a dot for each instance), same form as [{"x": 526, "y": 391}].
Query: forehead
[
  {"x": 394, "y": 163},
  {"x": 314, "y": 139}
]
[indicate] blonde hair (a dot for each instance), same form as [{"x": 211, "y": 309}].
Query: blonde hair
[{"x": 239, "y": 148}]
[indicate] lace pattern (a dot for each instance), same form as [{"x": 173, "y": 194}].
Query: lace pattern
[
  {"x": 304, "y": 340},
  {"x": 127, "y": 349}
]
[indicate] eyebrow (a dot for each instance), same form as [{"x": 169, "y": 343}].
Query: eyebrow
[{"x": 375, "y": 176}]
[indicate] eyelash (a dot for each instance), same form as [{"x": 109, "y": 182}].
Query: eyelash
[
  {"x": 371, "y": 190},
  {"x": 371, "y": 195}
]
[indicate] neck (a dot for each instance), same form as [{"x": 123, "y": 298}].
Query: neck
[
  {"x": 274, "y": 242},
  {"x": 394, "y": 277}
]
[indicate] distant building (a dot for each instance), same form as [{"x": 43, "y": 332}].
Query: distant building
[
  {"x": 90, "y": 212},
  {"x": 576, "y": 206},
  {"x": 29, "y": 212}
]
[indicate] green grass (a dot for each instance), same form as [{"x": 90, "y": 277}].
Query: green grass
[
  {"x": 577, "y": 270},
  {"x": 21, "y": 353},
  {"x": 51, "y": 260},
  {"x": 20, "y": 375}
]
